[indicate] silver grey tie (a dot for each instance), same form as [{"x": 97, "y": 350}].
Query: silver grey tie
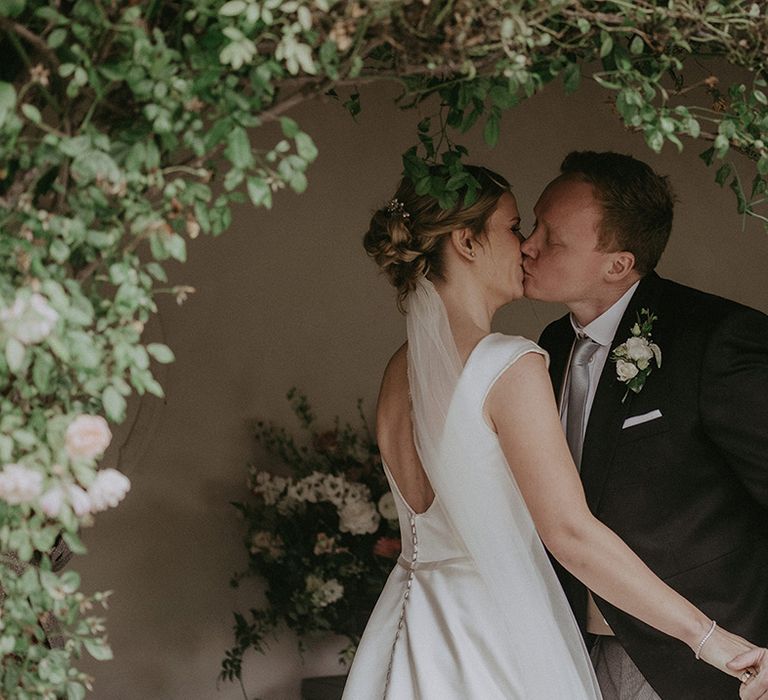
[{"x": 578, "y": 388}]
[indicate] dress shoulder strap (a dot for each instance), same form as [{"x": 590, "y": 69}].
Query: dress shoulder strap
[{"x": 492, "y": 356}]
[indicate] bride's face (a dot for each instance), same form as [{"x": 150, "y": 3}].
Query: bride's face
[{"x": 499, "y": 257}]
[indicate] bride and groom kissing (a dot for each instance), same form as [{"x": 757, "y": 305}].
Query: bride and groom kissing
[{"x": 622, "y": 516}]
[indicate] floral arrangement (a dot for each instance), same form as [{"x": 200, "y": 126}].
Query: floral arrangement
[
  {"x": 323, "y": 537},
  {"x": 633, "y": 357}
]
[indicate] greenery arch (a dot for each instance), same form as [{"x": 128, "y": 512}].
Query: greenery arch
[{"x": 124, "y": 132}]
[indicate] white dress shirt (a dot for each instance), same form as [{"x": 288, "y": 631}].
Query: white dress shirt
[{"x": 602, "y": 330}]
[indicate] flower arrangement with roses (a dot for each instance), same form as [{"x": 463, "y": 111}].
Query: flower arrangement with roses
[{"x": 323, "y": 536}]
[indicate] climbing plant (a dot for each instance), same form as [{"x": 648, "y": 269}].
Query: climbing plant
[{"x": 129, "y": 128}]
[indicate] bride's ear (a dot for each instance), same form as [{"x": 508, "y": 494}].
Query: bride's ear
[{"x": 464, "y": 243}]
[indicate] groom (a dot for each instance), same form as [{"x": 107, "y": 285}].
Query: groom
[{"x": 676, "y": 465}]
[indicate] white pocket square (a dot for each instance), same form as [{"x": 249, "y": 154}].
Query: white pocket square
[{"x": 637, "y": 420}]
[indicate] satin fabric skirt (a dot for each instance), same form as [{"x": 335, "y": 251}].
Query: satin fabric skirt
[{"x": 442, "y": 642}]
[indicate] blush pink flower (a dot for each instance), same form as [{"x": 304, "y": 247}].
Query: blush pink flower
[{"x": 387, "y": 547}]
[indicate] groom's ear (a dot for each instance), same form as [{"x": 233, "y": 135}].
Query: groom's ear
[
  {"x": 464, "y": 242},
  {"x": 622, "y": 265}
]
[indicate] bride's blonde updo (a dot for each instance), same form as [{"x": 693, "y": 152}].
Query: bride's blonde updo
[{"x": 406, "y": 236}]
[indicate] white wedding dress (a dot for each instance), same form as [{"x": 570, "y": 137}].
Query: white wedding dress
[{"x": 473, "y": 609}]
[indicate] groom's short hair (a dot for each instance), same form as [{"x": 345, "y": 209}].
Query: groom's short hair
[{"x": 637, "y": 203}]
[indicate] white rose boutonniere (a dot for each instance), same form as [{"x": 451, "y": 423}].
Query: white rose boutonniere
[{"x": 634, "y": 358}]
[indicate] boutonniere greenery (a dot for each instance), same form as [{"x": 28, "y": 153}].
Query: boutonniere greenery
[{"x": 635, "y": 356}]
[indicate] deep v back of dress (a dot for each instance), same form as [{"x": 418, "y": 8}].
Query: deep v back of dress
[{"x": 473, "y": 608}]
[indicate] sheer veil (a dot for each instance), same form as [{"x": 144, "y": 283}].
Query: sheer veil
[{"x": 485, "y": 508}]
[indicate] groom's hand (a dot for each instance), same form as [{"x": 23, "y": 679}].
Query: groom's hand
[{"x": 756, "y": 686}]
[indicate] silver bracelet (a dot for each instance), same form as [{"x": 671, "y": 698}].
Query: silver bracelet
[{"x": 705, "y": 638}]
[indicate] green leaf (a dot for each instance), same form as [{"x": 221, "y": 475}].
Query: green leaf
[
  {"x": 31, "y": 112},
  {"x": 161, "y": 353},
  {"x": 114, "y": 404},
  {"x": 7, "y": 100},
  {"x": 153, "y": 387},
  {"x": 12, "y": 8},
  {"x": 722, "y": 174},
  {"x": 74, "y": 543},
  {"x": 654, "y": 138},
  {"x": 298, "y": 182},
  {"x": 239, "y": 148},
  {"x": 57, "y": 37},
  {"x": 15, "y": 354},
  {"x": 491, "y": 130},
  {"x": 176, "y": 247},
  {"x": 233, "y": 8},
  {"x": 721, "y": 145},
  {"x": 259, "y": 192},
  {"x": 571, "y": 78},
  {"x": 606, "y": 44},
  {"x": 741, "y": 202},
  {"x": 289, "y": 126},
  {"x": 637, "y": 46},
  {"x": 75, "y": 691},
  {"x": 305, "y": 147},
  {"x": 708, "y": 156},
  {"x": 98, "y": 649},
  {"x": 42, "y": 372}
]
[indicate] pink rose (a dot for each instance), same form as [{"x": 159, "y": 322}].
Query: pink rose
[{"x": 87, "y": 437}]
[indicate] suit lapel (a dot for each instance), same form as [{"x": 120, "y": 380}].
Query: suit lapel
[
  {"x": 608, "y": 412},
  {"x": 559, "y": 354}
]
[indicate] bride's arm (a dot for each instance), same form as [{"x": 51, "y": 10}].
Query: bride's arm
[{"x": 522, "y": 410}]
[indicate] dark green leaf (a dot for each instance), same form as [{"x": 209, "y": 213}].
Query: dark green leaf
[
  {"x": 741, "y": 202},
  {"x": 491, "y": 130},
  {"x": 722, "y": 174}
]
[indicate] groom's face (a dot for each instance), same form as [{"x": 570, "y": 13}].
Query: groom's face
[{"x": 561, "y": 257}]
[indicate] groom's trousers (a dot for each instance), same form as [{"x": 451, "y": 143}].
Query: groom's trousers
[{"x": 617, "y": 674}]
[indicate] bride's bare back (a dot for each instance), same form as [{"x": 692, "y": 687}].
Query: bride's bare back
[{"x": 394, "y": 432}]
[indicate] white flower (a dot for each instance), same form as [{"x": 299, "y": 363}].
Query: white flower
[
  {"x": 52, "y": 501},
  {"x": 356, "y": 492},
  {"x": 333, "y": 590},
  {"x": 20, "y": 484},
  {"x": 79, "y": 500},
  {"x": 626, "y": 370},
  {"x": 359, "y": 518},
  {"x": 639, "y": 350},
  {"x": 269, "y": 487},
  {"x": 30, "y": 319},
  {"x": 108, "y": 489},
  {"x": 323, "y": 592},
  {"x": 333, "y": 489},
  {"x": 387, "y": 506},
  {"x": 87, "y": 437}
]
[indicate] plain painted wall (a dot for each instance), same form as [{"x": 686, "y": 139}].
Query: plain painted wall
[{"x": 288, "y": 298}]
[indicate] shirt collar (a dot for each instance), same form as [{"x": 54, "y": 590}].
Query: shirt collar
[{"x": 603, "y": 329}]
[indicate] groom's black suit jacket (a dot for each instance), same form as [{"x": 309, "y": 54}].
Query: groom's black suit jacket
[{"x": 688, "y": 492}]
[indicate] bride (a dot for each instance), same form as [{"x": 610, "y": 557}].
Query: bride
[{"x": 481, "y": 473}]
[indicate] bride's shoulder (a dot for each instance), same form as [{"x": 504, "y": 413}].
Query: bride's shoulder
[{"x": 394, "y": 382}]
